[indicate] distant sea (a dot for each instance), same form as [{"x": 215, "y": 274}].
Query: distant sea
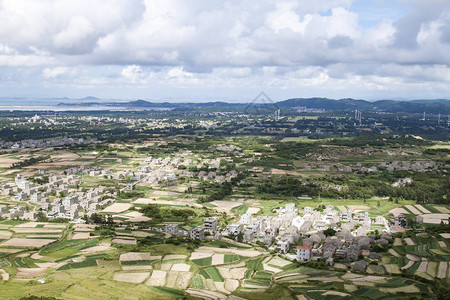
[{"x": 52, "y": 105}]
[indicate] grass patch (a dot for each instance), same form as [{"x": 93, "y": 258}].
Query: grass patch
[
  {"x": 169, "y": 291},
  {"x": 203, "y": 261},
  {"x": 76, "y": 265},
  {"x": 214, "y": 274}
]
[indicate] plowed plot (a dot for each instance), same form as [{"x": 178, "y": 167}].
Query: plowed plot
[
  {"x": 423, "y": 267},
  {"x": 181, "y": 267},
  {"x": 423, "y": 209},
  {"x": 158, "y": 278},
  {"x": 442, "y": 209},
  {"x": 409, "y": 242},
  {"x": 80, "y": 236},
  {"x": 135, "y": 256},
  {"x": 30, "y": 272},
  {"x": 442, "y": 271},
  {"x": 131, "y": 277},
  {"x": 225, "y": 205},
  {"x": 434, "y": 218},
  {"x": 412, "y": 209},
  {"x": 124, "y": 241},
  {"x": 398, "y": 210},
  {"x": 117, "y": 207},
  {"x": 19, "y": 242}
]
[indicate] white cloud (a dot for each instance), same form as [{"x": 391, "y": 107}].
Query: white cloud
[
  {"x": 132, "y": 73},
  {"x": 54, "y": 72},
  {"x": 290, "y": 44}
]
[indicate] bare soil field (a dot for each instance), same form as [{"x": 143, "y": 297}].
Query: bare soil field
[
  {"x": 398, "y": 210},
  {"x": 183, "y": 280},
  {"x": 135, "y": 256},
  {"x": 277, "y": 261},
  {"x": 29, "y": 224},
  {"x": 442, "y": 209},
  {"x": 175, "y": 256},
  {"x": 101, "y": 247},
  {"x": 36, "y": 230},
  {"x": 83, "y": 227},
  {"x": 408, "y": 265},
  {"x": 271, "y": 269},
  {"x": 398, "y": 242},
  {"x": 9, "y": 250},
  {"x": 359, "y": 207},
  {"x": 165, "y": 193},
  {"x": 409, "y": 242},
  {"x": 434, "y": 218},
  {"x": 405, "y": 289},
  {"x": 422, "y": 209},
  {"x": 117, "y": 208},
  {"x": 4, "y": 235},
  {"x": 63, "y": 226},
  {"x": 4, "y": 275},
  {"x": 30, "y": 272},
  {"x": 231, "y": 285},
  {"x": 158, "y": 278},
  {"x": 423, "y": 266},
  {"x": 200, "y": 255},
  {"x": 442, "y": 271},
  {"x": 131, "y": 277},
  {"x": 136, "y": 268},
  {"x": 246, "y": 253},
  {"x": 20, "y": 242},
  {"x": 124, "y": 241},
  {"x": 181, "y": 267},
  {"x": 335, "y": 293},
  {"x": 226, "y": 205},
  {"x": 166, "y": 266},
  {"x": 445, "y": 235},
  {"x": 413, "y": 257},
  {"x": 362, "y": 278},
  {"x": 217, "y": 259},
  {"x": 203, "y": 294},
  {"x": 253, "y": 210},
  {"x": 166, "y": 202},
  {"x": 136, "y": 217},
  {"x": 412, "y": 209},
  {"x": 81, "y": 236}
]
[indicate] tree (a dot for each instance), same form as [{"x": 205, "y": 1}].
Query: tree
[{"x": 329, "y": 232}]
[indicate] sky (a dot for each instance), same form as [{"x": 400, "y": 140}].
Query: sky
[{"x": 204, "y": 50}]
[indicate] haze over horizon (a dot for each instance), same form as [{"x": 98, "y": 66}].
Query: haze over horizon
[{"x": 214, "y": 51}]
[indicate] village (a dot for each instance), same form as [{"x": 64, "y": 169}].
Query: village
[
  {"x": 62, "y": 196},
  {"x": 350, "y": 236}
]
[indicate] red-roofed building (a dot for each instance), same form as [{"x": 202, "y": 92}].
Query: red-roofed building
[
  {"x": 304, "y": 252},
  {"x": 395, "y": 229}
]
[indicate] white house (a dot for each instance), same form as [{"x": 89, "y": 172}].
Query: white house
[
  {"x": 246, "y": 219},
  {"x": 304, "y": 252},
  {"x": 307, "y": 210}
]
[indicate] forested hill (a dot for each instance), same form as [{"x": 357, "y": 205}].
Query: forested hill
[{"x": 437, "y": 106}]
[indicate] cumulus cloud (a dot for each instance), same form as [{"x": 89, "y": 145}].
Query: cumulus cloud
[{"x": 289, "y": 44}]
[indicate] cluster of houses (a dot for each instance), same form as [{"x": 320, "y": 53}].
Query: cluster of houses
[
  {"x": 166, "y": 170},
  {"x": 62, "y": 198},
  {"x": 30, "y": 143},
  {"x": 285, "y": 231},
  {"x": 287, "y": 227},
  {"x": 421, "y": 166},
  {"x": 57, "y": 199},
  {"x": 210, "y": 226}
]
